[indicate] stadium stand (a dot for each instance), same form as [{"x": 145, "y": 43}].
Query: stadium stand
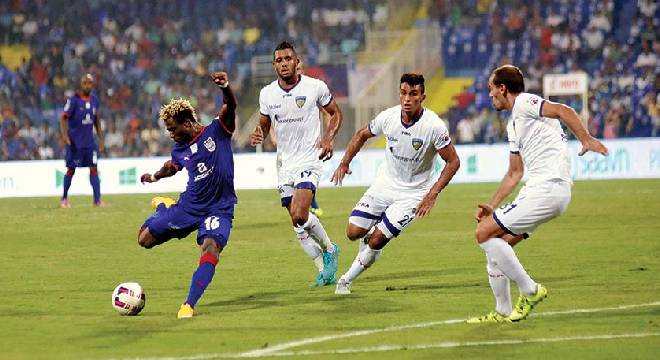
[
  {"x": 614, "y": 42},
  {"x": 144, "y": 52}
]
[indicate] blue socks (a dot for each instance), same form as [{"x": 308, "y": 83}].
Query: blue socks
[
  {"x": 96, "y": 187},
  {"x": 201, "y": 278}
]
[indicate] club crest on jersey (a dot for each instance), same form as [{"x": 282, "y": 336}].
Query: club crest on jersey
[
  {"x": 417, "y": 143},
  {"x": 209, "y": 144},
  {"x": 300, "y": 101}
]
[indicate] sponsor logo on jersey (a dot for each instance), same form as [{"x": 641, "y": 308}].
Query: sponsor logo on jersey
[
  {"x": 534, "y": 101},
  {"x": 276, "y": 106},
  {"x": 209, "y": 144},
  {"x": 405, "y": 133},
  {"x": 392, "y": 139},
  {"x": 417, "y": 143},
  {"x": 300, "y": 101},
  {"x": 193, "y": 148}
]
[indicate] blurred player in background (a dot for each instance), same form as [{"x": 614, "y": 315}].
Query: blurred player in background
[
  {"x": 290, "y": 105},
  {"x": 77, "y": 123},
  {"x": 404, "y": 189},
  {"x": 538, "y": 143},
  {"x": 207, "y": 205}
]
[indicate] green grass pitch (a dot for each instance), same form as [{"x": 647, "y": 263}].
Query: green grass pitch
[{"x": 59, "y": 267}]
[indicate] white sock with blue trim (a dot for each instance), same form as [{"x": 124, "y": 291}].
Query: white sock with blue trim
[
  {"x": 317, "y": 232},
  {"x": 311, "y": 248}
]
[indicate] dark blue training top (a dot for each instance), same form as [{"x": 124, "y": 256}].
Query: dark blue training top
[
  {"x": 81, "y": 112},
  {"x": 209, "y": 160}
]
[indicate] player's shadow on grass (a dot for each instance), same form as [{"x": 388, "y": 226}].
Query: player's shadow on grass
[{"x": 261, "y": 300}]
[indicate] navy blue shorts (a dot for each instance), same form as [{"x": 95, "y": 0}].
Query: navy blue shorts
[
  {"x": 175, "y": 222},
  {"x": 80, "y": 157}
]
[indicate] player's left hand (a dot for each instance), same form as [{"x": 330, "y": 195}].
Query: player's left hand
[
  {"x": 325, "y": 152},
  {"x": 220, "y": 78},
  {"x": 483, "y": 210},
  {"x": 594, "y": 145},
  {"x": 424, "y": 207}
]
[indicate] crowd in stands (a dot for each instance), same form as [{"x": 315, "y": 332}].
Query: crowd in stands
[
  {"x": 144, "y": 52},
  {"x": 614, "y": 41}
]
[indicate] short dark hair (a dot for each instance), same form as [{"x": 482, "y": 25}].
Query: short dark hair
[
  {"x": 511, "y": 77},
  {"x": 284, "y": 45},
  {"x": 413, "y": 79}
]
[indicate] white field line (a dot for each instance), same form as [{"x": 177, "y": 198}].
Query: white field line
[
  {"x": 293, "y": 344},
  {"x": 280, "y": 349},
  {"x": 451, "y": 344}
]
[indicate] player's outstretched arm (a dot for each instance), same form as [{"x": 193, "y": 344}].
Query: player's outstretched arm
[
  {"x": 334, "y": 123},
  {"x": 257, "y": 136},
  {"x": 228, "y": 111},
  {"x": 452, "y": 164},
  {"x": 167, "y": 170},
  {"x": 354, "y": 146},
  {"x": 511, "y": 179},
  {"x": 568, "y": 115}
]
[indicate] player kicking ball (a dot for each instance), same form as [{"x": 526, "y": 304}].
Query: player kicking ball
[
  {"x": 207, "y": 205},
  {"x": 404, "y": 188},
  {"x": 538, "y": 143}
]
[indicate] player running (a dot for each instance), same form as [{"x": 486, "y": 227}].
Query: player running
[
  {"x": 207, "y": 205},
  {"x": 538, "y": 143},
  {"x": 290, "y": 105},
  {"x": 404, "y": 188},
  {"x": 80, "y": 116}
]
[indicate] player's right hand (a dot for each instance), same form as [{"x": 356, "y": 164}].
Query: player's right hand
[
  {"x": 257, "y": 136},
  {"x": 339, "y": 174},
  {"x": 483, "y": 210},
  {"x": 147, "y": 178}
]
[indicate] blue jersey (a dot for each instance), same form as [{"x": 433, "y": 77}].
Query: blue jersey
[
  {"x": 81, "y": 113},
  {"x": 210, "y": 164}
]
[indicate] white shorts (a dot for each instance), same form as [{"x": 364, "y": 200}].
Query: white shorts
[
  {"x": 298, "y": 178},
  {"x": 389, "y": 210},
  {"x": 533, "y": 206}
]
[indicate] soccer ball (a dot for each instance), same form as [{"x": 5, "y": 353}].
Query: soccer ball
[{"x": 128, "y": 298}]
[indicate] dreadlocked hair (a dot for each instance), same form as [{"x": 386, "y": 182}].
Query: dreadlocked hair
[{"x": 179, "y": 110}]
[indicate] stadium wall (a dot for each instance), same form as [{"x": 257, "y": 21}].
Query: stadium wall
[{"x": 630, "y": 158}]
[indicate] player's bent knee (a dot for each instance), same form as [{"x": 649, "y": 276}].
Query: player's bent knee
[
  {"x": 378, "y": 240},
  {"x": 354, "y": 232},
  {"x": 299, "y": 219}
]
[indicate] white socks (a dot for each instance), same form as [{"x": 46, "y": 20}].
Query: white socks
[
  {"x": 363, "y": 260},
  {"x": 317, "y": 232},
  {"x": 311, "y": 248},
  {"x": 499, "y": 283},
  {"x": 501, "y": 254}
]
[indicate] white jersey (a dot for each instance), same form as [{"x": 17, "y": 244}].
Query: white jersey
[
  {"x": 294, "y": 116},
  {"x": 411, "y": 150},
  {"x": 540, "y": 141}
]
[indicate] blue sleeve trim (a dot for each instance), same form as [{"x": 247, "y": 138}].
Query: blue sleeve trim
[
  {"x": 371, "y": 131},
  {"x": 541, "y": 108},
  {"x": 515, "y": 152},
  {"x": 502, "y": 225},
  {"x": 331, "y": 98},
  {"x": 390, "y": 227},
  {"x": 365, "y": 215}
]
